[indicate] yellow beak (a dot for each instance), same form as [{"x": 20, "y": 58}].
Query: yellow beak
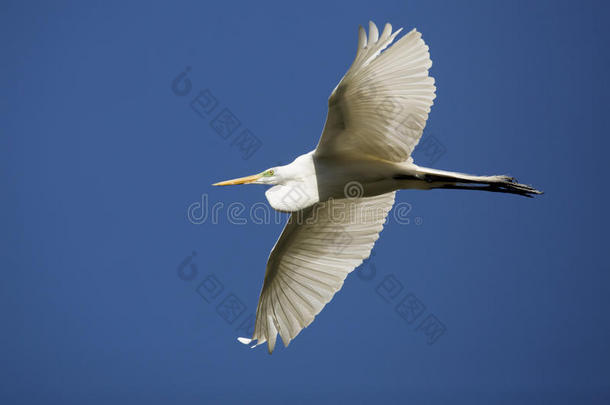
[{"x": 241, "y": 180}]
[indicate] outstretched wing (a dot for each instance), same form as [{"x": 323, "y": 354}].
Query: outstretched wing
[
  {"x": 381, "y": 105},
  {"x": 319, "y": 246}
]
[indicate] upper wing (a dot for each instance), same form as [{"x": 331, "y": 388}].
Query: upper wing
[
  {"x": 381, "y": 105},
  {"x": 319, "y": 246}
]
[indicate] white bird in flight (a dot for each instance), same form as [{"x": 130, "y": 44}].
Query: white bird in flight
[{"x": 340, "y": 193}]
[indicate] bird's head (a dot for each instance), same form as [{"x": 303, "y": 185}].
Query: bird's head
[
  {"x": 294, "y": 185},
  {"x": 270, "y": 176}
]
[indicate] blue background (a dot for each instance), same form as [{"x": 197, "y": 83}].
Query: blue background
[{"x": 100, "y": 159}]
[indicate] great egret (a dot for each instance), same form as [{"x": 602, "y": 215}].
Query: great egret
[{"x": 340, "y": 193}]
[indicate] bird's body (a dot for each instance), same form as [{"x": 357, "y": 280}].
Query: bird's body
[
  {"x": 305, "y": 185},
  {"x": 340, "y": 193}
]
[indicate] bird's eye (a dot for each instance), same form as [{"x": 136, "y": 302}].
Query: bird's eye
[{"x": 271, "y": 172}]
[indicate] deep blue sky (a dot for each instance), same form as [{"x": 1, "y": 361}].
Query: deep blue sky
[{"x": 100, "y": 159}]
